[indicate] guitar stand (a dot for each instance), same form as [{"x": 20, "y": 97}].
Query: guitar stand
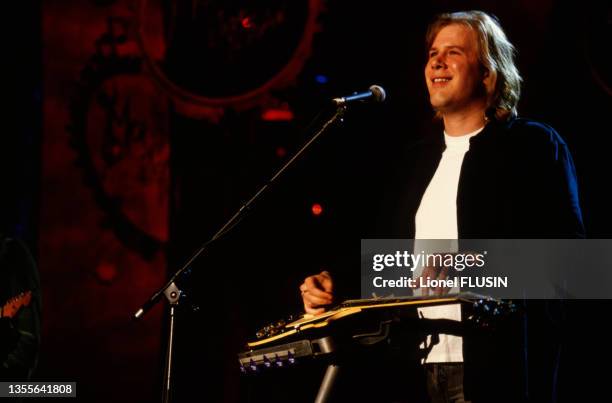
[
  {"x": 333, "y": 368},
  {"x": 327, "y": 384}
]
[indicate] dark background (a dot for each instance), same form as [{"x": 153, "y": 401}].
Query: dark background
[{"x": 252, "y": 276}]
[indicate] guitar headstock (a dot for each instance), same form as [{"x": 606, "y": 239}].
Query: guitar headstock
[{"x": 486, "y": 311}]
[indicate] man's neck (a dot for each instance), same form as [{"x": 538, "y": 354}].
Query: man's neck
[{"x": 461, "y": 123}]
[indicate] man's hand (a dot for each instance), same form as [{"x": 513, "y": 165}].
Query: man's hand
[
  {"x": 317, "y": 292},
  {"x": 433, "y": 273}
]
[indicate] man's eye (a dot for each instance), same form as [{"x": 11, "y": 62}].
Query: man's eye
[{"x": 432, "y": 54}]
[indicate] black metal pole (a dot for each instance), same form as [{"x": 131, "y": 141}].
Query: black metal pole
[{"x": 173, "y": 295}]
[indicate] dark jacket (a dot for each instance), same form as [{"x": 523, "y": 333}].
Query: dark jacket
[{"x": 517, "y": 181}]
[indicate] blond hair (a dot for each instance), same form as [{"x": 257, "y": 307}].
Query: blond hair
[{"x": 495, "y": 53}]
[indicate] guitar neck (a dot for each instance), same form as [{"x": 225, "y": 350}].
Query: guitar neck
[
  {"x": 464, "y": 296},
  {"x": 13, "y": 305}
]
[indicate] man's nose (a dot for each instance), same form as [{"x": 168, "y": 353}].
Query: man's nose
[{"x": 437, "y": 62}]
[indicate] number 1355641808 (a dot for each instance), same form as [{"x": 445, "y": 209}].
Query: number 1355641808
[{"x": 37, "y": 389}]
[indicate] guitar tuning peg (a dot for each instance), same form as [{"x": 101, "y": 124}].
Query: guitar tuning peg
[{"x": 277, "y": 361}]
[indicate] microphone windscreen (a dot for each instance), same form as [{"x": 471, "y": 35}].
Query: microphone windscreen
[{"x": 378, "y": 93}]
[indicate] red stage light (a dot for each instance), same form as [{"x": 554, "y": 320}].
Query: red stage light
[
  {"x": 317, "y": 209},
  {"x": 281, "y": 152},
  {"x": 246, "y": 23},
  {"x": 107, "y": 272},
  {"x": 277, "y": 115}
]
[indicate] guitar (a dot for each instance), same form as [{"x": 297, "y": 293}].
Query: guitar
[
  {"x": 483, "y": 308},
  {"x": 13, "y": 305}
]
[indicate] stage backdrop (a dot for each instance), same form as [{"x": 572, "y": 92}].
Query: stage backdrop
[{"x": 103, "y": 225}]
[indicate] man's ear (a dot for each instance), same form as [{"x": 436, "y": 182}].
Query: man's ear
[{"x": 489, "y": 79}]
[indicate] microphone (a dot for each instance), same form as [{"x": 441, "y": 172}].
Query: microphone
[{"x": 376, "y": 93}]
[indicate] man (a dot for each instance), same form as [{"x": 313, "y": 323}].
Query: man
[
  {"x": 488, "y": 175},
  {"x": 19, "y": 311}
]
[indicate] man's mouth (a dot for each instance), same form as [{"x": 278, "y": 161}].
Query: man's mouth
[{"x": 437, "y": 80}]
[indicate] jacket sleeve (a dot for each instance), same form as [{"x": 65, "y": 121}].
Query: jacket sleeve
[{"x": 553, "y": 190}]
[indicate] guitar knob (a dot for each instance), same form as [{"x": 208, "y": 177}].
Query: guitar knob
[
  {"x": 253, "y": 366},
  {"x": 277, "y": 361},
  {"x": 267, "y": 362},
  {"x": 290, "y": 358}
]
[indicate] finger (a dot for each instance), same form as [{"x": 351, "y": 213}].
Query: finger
[
  {"x": 313, "y": 311},
  {"x": 417, "y": 279},
  {"x": 416, "y": 285},
  {"x": 312, "y": 282},
  {"x": 316, "y": 301},
  {"x": 323, "y": 281},
  {"x": 313, "y": 288},
  {"x": 318, "y": 293},
  {"x": 427, "y": 274},
  {"x": 442, "y": 290},
  {"x": 326, "y": 281},
  {"x": 418, "y": 282},
  {"x": 443, "y": 274}
]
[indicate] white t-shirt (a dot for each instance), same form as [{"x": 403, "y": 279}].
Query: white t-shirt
[{"x": 436, "y": 219}]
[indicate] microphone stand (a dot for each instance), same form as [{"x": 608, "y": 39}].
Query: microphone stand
[{"x": 170, "y": 290}]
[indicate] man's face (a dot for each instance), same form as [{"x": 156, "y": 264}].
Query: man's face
[{"x": 453, "y": 73}]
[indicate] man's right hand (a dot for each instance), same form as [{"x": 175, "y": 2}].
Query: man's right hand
[{"x": 317, "y": 292}]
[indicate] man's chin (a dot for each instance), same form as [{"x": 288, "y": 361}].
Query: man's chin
[
  {"x": 439, "y": 108},
  {"x": 439, "y": 103}
]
